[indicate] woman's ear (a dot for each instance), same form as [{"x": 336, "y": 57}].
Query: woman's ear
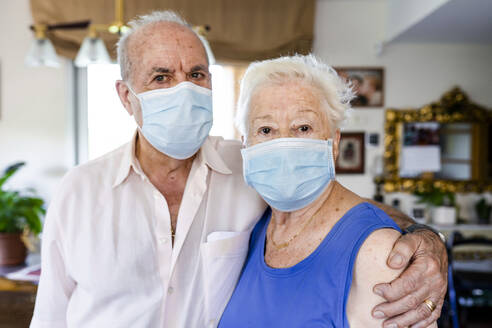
[{"x": 336, "y": 143}]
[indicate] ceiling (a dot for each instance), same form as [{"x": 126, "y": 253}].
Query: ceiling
[{"x": 459, "y": 21}]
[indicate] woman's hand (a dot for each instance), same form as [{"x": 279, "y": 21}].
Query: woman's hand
[{"x": 425, "y": 278}]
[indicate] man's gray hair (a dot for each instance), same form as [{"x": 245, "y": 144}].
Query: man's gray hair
[
  {"x": 136, "y": 24},
  {"x": 334, "y": 93}
]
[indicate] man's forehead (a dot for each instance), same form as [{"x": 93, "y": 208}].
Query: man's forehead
[
  {"x": 164, "y": 35},
  {"x": 167, "y": 44}
]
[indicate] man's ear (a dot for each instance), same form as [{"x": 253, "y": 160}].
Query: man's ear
[
  {"x": 124, "y": 94},
  {"x": 336, "y": 144}
]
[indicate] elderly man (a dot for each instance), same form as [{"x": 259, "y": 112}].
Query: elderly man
[{"x": 155, "y": 233}]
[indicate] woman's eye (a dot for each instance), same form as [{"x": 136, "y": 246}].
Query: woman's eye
[
  {"x": 304, "y": 128},
  {"x": 265, "y": 130}
]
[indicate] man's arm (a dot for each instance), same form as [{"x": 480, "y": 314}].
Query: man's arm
[
  {"x": 401, "y": 219},
  {"x": 424, "y": 256},
  {"x": 55, "y": 286}
]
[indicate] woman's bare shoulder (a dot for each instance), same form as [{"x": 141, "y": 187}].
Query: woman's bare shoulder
[{"x": 346, "y": 198}]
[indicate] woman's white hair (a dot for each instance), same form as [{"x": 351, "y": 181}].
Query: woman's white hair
[
  {"x": 138, "y": 23},
  {"x": 335, "y": 94}
]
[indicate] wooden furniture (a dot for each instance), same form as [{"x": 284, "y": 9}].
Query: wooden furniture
[{"x": 16, "y": 303}]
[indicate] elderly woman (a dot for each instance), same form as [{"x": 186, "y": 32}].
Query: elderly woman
[{"x": 319, "y": 249}]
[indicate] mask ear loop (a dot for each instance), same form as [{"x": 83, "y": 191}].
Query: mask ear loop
[
  {"x": 135, "y": 94},
  {"x": 244, "y": 142},
  {"x": 131, "y": 90}
]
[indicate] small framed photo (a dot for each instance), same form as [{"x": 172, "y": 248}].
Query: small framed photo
[
  {"x": 351, "y": 153},
  {"x": 368, "y": 84},
  {"x": 419, "y": 214}
]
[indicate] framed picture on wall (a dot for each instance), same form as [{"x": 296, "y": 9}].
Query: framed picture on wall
[
  {"x": 368, "y": 84},
  {"x": 351, "y": 157}
]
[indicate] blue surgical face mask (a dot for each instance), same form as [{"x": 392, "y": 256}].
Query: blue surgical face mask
[
  {"x": 289, "y": 173},
  {"x": 177, "y": 120}
]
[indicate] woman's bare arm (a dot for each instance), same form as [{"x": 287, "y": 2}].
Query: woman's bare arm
[
  {"x": 370, "y": 269},
  {"x": 423, "y": 257}
]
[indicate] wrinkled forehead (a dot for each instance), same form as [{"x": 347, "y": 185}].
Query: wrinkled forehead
[
  {"x": 289, "y": 95},
  {"x": 166, "y": 43}
]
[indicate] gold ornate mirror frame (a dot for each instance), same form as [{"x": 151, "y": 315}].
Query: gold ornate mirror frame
[{"x": 454, "y": 107}]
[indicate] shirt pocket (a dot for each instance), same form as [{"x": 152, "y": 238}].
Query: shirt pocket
[{"x": 222, "y": 261}]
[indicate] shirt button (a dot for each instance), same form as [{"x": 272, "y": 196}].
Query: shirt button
[
  {"x": 170, "y": 290},
  {"x": 162, "y": 240}
]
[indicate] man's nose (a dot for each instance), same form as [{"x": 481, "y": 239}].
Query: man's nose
[{"x": 179, "y": 77}]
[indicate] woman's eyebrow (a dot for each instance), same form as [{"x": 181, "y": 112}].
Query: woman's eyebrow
[
  {"x": 305, "y": 110},
  {"x": 264, "y": 117}
]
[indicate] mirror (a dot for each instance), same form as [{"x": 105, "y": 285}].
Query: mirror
[{"x": 445, "y": 144}]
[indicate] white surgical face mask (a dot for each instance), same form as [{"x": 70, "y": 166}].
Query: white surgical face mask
[
  {"x": 177, "y": 120},
  {"x": 289, "y": 173}
]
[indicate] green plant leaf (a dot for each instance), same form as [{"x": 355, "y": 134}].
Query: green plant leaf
[
  {"x": 10, "y": 171},
  {"x": 436, "y": 197},
  {"x": 17, "y": 211}
]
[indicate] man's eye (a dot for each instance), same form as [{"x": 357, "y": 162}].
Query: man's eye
[
  {"x": 160, "y": 78},
  {"x": 265, "y": 130},
  {"x": 197, "y": 75}
]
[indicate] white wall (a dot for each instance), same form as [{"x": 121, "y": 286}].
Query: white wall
[
  {"x": 415, "y": 74},
  {"x": 402, "y": 14},
  {"x": 35, "y": 121}
]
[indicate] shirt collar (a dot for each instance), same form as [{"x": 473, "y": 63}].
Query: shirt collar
[
  {"x": 128, "y": 161},
  {"x": 207, "y": 154}
]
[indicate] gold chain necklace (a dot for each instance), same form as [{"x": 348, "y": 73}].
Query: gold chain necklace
[{"x": 285, "y": 244}]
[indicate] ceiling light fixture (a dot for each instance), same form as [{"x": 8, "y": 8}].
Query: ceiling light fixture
[
  {"x": 41, "y": 52},
  {"x": 93, "y": 49}
]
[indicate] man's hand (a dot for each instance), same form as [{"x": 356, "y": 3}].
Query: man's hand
[{"x": 424, "y": 278}]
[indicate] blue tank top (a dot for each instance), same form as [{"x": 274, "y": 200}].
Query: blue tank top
[{"x": 314, "y": 292}]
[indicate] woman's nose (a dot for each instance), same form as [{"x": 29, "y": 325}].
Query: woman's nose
[{"x": 285, "y": 133}]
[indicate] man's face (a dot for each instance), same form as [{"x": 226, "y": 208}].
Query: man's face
[{"x": 162, "y": 56}]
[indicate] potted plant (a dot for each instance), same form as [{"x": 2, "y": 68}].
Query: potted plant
[
  {"x": 19, "y": 215},
  {"x": 443, "y": 204},
  {"x": 483, "y": 211}
]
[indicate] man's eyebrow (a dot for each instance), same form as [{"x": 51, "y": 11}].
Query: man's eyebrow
[
  {"x": 160, "y": 70},
  {"x": 198, "y": 68}
]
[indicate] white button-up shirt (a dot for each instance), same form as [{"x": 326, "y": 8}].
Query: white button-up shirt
[{"x": 107, "y": 254}]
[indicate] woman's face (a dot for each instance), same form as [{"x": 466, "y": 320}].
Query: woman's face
[{"x": 288, "y": 110}]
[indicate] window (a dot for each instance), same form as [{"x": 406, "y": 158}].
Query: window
[{"x": 108, "y": 124}]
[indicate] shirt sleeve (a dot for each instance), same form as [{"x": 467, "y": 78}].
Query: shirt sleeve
[{"x": 55, "y": 285}]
